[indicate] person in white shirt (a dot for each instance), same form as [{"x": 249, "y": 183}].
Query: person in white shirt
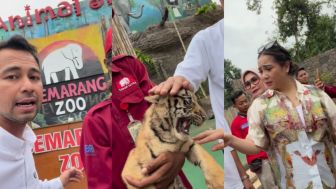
[
  {"x": 21, "y": 96},
  {"x": 204, "y": 59}
]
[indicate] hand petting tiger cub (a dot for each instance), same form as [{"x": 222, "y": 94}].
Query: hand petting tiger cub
[{"x": 165, "y": 127}]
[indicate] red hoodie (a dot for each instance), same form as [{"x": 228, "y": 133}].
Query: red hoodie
[
  {"x": 105, "y": 126},
  {"x": 330, "y": 90}
]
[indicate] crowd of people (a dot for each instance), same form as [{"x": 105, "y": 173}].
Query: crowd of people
[{"x": 290, "y": 119}]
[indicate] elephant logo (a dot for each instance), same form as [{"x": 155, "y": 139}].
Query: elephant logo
[
  {"x": 68, "y": 59},
  {"x": 124, "y": 82}
]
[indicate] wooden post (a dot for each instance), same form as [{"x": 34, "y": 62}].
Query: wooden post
[{"x": 120, "y": 41}]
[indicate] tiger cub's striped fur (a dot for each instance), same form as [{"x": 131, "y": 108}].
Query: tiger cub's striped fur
[{"x": 166, "y": 128}]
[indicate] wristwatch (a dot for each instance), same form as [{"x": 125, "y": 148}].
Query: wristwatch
[{"x": 245, "y": 177}]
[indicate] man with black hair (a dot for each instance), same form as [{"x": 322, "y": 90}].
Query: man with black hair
[
  {"x": 258, "y": 163},
  {"x": 303, "y": 77},
  {"x": 238, "y": 125},
  {"x": 21, "y": 97}
]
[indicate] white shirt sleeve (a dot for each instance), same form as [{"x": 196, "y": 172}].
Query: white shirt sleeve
[
  {"x": 195, "y": 67},
  {"x": 55, "y": 183}
]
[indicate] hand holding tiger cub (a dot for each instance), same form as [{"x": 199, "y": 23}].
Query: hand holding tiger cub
[
  {"x": 161, "y": 171},
  {"x": 165, "y": 128},
  {"x": 171, "y": 86}
]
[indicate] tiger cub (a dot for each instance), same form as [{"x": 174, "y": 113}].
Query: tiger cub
[{"x": 165, "y": 127}]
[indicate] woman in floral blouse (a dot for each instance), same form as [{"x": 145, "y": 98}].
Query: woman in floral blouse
[{"x": 294, "y": 123}]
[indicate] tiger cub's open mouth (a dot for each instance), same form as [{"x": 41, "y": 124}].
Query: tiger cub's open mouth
[{"x": 183, "y": 125}]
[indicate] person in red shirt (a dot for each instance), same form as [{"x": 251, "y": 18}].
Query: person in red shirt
[
  {"x": 239, "y": 125},
  {"x": 106, "y": 140},
  {"x": 303, "y": 77},
  {"x": 258, "y": 163},
  {"x": 329, "y": 89}
]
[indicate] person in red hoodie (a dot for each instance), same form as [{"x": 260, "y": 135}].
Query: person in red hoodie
[
  {"x": 303, "y": 76},
  {"x": 106, "y": 140}
]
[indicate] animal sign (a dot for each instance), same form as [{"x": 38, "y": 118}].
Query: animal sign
[{"x": 67, "y": 59}]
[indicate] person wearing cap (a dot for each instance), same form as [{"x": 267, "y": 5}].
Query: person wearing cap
[{"x": 106, "y": 137}]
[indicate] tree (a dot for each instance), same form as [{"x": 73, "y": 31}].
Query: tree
[
  {"x": 303, "y": 20},
  {"x": 255, "y": 5},
  {"x": 319, "y": 38},
  {"x": 231, "y": 73}
]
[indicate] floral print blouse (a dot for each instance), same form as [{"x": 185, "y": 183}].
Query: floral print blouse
[{"x": 302, "y": 154}]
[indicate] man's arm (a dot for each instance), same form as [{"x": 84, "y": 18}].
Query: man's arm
[
  {"x": 330, "y": 109},
  {"x": 330, "y": 90},
  {"x": 195, "y": 66},
  {"x": 69, "y": 175},
  {"x": 190, "y": 72},
  {"x": 55, "y": 183}
]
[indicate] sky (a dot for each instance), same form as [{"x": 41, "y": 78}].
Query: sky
[{"x": 245, "y": 32}]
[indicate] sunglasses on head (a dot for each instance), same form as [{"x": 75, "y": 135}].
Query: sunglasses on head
[
  {"x": 268, "y": 46},
  {"x": 271, "y": 45},
  {"x": 254, "y": 80}
]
